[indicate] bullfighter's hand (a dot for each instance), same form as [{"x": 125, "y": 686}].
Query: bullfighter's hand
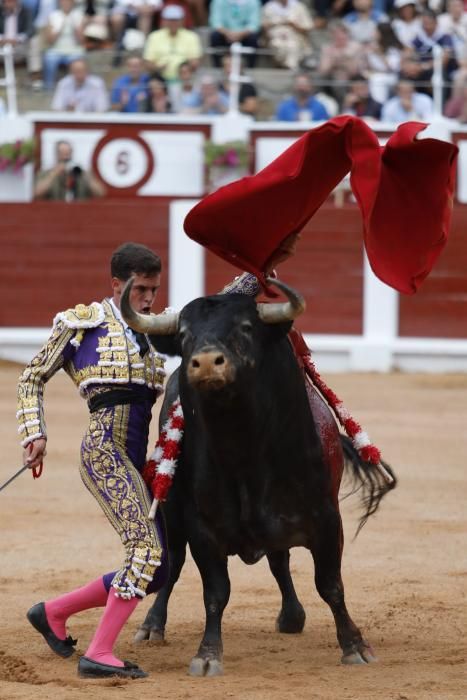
[{"x": 34, "y": 453}]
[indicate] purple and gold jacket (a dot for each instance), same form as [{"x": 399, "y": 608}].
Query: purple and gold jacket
[{"x": 90, "y": 344}]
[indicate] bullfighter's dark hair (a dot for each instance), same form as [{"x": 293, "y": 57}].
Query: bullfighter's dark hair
[{"x": 134, "y": 258}]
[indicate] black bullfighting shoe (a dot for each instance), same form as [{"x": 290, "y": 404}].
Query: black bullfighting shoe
[
  {"x": 38, "y": 619},
  {"x": 87, "y": 668}
]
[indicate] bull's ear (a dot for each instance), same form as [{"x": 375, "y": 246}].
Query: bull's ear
[
  {"x": 276, "y": 331},
  {"x": 166, "y": 344}
]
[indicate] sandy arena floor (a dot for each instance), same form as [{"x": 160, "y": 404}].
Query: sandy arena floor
[{"x": 405, "y": 575}]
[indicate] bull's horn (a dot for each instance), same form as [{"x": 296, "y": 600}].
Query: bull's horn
[
  {"x": 155, "y": 324},
  {"x": 286, "y": 311}
]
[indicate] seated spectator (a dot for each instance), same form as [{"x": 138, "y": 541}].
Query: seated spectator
[
  {"x": 456, "y": 106},
  {"x": 67, "y": 181},
  {"x": 133, "y": 14},
  {"x": 167, "y": 48},
  {"x": 17, "y": 30},
  {"x": 429, "y": 36},
  {"x": 407, "y": 105},
  {"x": 340, "y": 60},
  {"x": 407, "y": 24},
  {"x": 286, "y": 26},
  {"x": 363, "y": 20},
  {"x": 80, "y": 92},
  {"x": 359, "y": 102},
  {"x": 247, "y": 93},
  {"x": 381, "y": 59},
  {"x": 157, "y": 101},
  {"x": 302, "y": 106},
  {"x": 454, "y": 23},
  {"x": 130, "y": 90},
  {"x": 209, "y": 99},
  {"x": 95, "y": 22},
  {"x": 182, "y": 92},
  {"x": 231, "y": 21},
  {"x": 64, "y": 36}
]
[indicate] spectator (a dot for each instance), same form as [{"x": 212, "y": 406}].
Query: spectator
[
  {"x": 231, "y": 21},
  {"x": 407, "y": 105},
  {"x": 363, "y": 20},
  {"x": 359, "y": 102},
  {"x": 182, "y": 92},
  {"x": 302, "y": 106},
  {"x": 456, "y": 107},
  {"x": 96, "y": 23},
  {"x": 17, "y": 30},
  {"x": 381, "y": 60},
  {"x": 454, "y": 23},
  {"x": 157, "y": 101},
  {"x": 286, "y": 26},
  {"x": 209, "y": 99},
  {"x": 429, "y": 36},
  {"x": 67, "y": 181},
  {"x": 407, "y": 24},
  {"x": 80, "y": 92},
  {"x": 247, "y": 93},
  {"x": 130, "y": 90},
  {"x": 133, "y": 14},
  {"x": 167, "y": 48},
  {"x": 64, "y": 35},
  {"x": 340, "y": 59}
]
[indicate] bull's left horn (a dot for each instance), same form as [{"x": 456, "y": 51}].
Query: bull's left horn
[
  {"x": 154, "y": 324},
  {"x": 286, "y": 311}
]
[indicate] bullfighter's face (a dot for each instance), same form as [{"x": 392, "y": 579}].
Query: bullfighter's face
[{"x": 143, "y": 292}]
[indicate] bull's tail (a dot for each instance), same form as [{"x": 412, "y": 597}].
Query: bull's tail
[{"x": 367, "y": 479}]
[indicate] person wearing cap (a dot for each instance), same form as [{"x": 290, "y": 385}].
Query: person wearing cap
[
  {"x": 407, "y": 23},
  {"x": 167, "y": 48}
]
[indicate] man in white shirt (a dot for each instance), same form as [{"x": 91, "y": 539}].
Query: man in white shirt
[
  {"x": 407, "y": 105},
  {"x": 80, "y": 92}
]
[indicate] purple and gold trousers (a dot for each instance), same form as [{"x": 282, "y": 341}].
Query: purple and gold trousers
[{"x": 113, "y": 453}]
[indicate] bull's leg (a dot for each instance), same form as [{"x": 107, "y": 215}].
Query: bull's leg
[
  {"x": 327, "y": 552},
  {"x": 291, "y": 618},
  {"x": 153, "y": 627},
  {"x": 216, "y": 593}
]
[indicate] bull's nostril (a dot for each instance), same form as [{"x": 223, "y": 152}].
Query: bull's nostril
[
  {"x": 195, "y": 363},
  {"x": 219, "y": 360}
]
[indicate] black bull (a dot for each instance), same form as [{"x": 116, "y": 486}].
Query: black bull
[{"x": 259, "y": 471}]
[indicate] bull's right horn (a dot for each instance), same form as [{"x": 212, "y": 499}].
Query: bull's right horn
[
  {"x": 154, "y": 324},
  {"x": 285, "y": 311}
]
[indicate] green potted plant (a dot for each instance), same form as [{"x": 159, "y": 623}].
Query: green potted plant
[
  {"x": 14, "y": 156},
  {"x": 225, "y": 162}
]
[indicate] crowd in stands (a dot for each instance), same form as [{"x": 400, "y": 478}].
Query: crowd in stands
[{"x": 371, "y": 58}]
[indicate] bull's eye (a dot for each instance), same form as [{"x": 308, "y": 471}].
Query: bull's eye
[
  {"x": 182, "y": 334},
  {"x": 246, "y": 326}
]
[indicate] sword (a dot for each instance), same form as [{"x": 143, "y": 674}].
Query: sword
[{"x": 15, "y": 476}]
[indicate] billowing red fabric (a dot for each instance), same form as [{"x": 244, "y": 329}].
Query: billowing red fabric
[{"x": 404, "y": 191}]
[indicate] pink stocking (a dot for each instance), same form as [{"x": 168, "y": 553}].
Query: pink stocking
[
  {"x": 58, "y": 610},
  {"x": 116, "y": 613}
]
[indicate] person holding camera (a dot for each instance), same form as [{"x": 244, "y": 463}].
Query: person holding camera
[{"x": 67, "y": 181}]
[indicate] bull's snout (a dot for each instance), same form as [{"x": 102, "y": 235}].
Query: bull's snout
[{"x": 210, "y": 368}]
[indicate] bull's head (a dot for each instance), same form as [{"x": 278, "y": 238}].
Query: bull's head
[{"x": 217, "y": 336}]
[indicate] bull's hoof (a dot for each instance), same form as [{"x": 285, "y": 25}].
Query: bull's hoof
[
  {"x": 205, "y": 667},
  {"x": 360, "y": 654},
  {"x": 291, "y": 622},
  {"x": 149, "y": 634}
]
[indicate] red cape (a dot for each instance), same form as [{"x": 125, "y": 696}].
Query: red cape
[{"x": 404, "y": 191}]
